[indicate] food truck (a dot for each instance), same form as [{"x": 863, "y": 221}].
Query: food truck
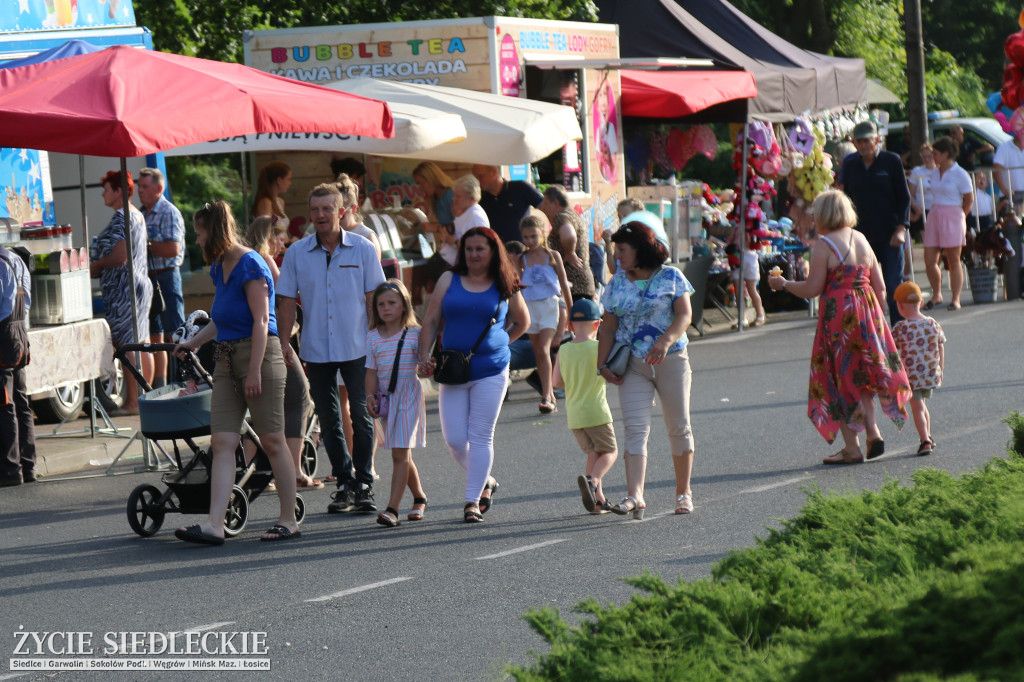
[
  {"x": 42, "y": 211},
  {"x": 554, "y": 61}
]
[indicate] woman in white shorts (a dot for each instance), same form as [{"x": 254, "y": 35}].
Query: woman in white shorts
[{"x": 945, "y": 232}]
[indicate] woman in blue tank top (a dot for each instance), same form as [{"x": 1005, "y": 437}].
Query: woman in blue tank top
[{"x": 483, "y": 286}]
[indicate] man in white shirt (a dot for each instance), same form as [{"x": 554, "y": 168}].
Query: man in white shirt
[
  {"x": 1008, "y": 171},
  {"x": 335, "y": 273}
]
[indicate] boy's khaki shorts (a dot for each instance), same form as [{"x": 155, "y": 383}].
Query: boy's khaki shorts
[{"x": 600, "y": 439}]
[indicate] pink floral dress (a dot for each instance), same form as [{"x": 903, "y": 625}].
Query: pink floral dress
[{"x": 853, "y": 352}]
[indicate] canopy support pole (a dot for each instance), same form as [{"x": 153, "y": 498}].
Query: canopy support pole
[
  {"x": 245, "y": 189},
  {"x": 742, "y": 216},
  {"x": 81, "y": 189}
]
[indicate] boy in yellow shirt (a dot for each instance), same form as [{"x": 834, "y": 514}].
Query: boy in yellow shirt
[{"x": 590, "y": 420}]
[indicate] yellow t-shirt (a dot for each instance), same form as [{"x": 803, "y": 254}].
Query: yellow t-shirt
[{"x": 585, "y": 402}]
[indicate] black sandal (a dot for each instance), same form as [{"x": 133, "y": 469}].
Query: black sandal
[
  {"x": 417, "y": 514},
  {"x": 485, "y": 502},
  {"x": 471, "y": 513},
  {"x": 926, "y": 448},
  {"x": 388, "y": 517}
]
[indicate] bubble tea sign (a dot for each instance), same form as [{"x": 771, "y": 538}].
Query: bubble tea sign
[{"x": 508, "y": 67}]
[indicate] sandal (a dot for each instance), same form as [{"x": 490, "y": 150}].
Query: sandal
[
  {"x": 926, "y": 448},
  {"x": 843, "y": 457},
  {"x": 876, "y": 448},
  {"x": 471, "y": 513},
  {"x": 630, "y": 504},
  {"x": 388, "y": 517},
  {"x": 417, "y": 514},
  {"x": 931, "y": 304},
  {"x": 279, "y": 532},
  {"x": 758, "y": 321},
  {"x": 953, "y": 307},
  {"x": 309, "y": 483},
  {"x": 196, "y": 535},
  {"x": 587, "y": 490},
  {"x": 547, "y": 406},
  {"x": 684, "y": 503},
  {"x": 485, "y": 502}
]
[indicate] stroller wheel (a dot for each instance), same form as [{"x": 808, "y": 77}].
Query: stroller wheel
[
  {"x": 309, "y": 458},
  {"x": 300, "y": 509},
  {"x": 238, "y": 512},
  {"x": 145, "y": 515}
]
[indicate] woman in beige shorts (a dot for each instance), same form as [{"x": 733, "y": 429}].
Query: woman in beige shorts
[{"x": 250, "y": 372}]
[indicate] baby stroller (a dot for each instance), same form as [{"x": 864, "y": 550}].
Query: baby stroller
[{"x": 167, "y": 414}]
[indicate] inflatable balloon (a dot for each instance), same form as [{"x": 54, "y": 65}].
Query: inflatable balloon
[
  {"x": 993, "y": 101},
  {"x": 1014, "y": 48}
]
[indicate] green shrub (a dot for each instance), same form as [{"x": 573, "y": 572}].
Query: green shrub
[{"x": 913, "y": 582}]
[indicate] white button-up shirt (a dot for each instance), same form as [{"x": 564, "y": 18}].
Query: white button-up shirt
[{"x": 334, "y": 323}]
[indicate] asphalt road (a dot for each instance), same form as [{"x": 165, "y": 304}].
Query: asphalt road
[{"x": 443, "y": 600}]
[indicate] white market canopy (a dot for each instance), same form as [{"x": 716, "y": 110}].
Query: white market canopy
[
  {"x": 417, "y": 128},
  {"x": 500, "y": 130}
]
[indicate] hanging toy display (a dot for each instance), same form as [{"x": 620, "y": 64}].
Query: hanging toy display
[{"x": 814, "y": 174}]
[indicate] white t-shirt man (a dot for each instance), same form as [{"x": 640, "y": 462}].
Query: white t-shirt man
[
  {"x": 1011, "y": 158},
  {"x": 474, "y": 216}
]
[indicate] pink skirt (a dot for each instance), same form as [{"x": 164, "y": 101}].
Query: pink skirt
[{"x": 946, "y": 227}]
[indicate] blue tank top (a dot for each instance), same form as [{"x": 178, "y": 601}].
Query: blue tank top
[
  {"x": 465, "y": 315},
  {"x": 539, "y": 281}
]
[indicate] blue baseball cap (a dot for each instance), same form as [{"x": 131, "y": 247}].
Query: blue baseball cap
[{"x": 584, "y": 310}]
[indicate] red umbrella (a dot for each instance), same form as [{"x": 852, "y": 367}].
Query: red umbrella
[{"x": 127, "y": 102}]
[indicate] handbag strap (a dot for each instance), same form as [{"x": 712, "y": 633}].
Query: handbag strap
[
  {"x": 494, "y": 320},
  {"x": 398, "y": 357}
]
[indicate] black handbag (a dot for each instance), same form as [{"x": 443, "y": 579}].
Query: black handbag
[
  {"x": 383, "y": 402},
  {"x": 451, "y": 367},
  {"x": 157, "y": 306}
]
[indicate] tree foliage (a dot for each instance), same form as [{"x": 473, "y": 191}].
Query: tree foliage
[{"x": 213, "y": 30}]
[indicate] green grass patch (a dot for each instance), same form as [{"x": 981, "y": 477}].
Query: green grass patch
[{"x": 920, "y": 582}]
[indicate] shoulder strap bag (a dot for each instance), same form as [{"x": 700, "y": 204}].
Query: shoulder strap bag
[
  {"x": 383, "y": 407},
  {"x": 452, "y": 366},
  {"x": 618, "y": 358}
]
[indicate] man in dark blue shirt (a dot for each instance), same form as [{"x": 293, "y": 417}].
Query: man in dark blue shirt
[
  {"x": 875, "y": 181},
  {"x": 506, "y": 202}
]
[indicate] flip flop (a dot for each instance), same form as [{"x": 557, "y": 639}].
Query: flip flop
[
  {"x": 930, "y": 304},
  {"x": 196, "y": 535},
  {"x": 953, "y": 306},
  {"x": 278, "y": 532},
  {"x": 314, "y": 484},
  {"x": 876, "y": 448}
]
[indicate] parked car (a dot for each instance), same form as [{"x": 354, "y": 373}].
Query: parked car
[{"x": 980, "y": 130}]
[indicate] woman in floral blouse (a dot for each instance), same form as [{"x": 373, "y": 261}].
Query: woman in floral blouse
[
  {"x": 647, "y": 306},
  {"x": 854, "y": 357}
]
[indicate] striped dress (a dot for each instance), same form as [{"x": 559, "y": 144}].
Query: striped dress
[{"x": 406, "y": 424}]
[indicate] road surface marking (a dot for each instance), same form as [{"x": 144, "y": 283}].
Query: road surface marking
[
  {"x": 772, "y": 486},
  {"x": 363, "y": 588},
  {"x": 517, "y": 550},
  {"x": 211, "y": 626}
]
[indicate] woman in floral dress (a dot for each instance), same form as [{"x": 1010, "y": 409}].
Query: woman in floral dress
[{"x": 854, "y": 357}]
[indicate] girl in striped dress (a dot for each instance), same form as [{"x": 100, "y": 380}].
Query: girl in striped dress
[{"x": 395, "y": 333}]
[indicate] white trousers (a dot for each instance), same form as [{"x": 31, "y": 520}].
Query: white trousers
[{"x": 468, "y": 415}]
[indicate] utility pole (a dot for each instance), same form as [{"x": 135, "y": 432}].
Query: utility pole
[{"x": 916, "y": 102}]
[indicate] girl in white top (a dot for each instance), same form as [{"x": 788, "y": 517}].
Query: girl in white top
[
  {"x": 545, "y": 290},
  {"x": 468, "y": 214},
  {"x": 945, "y": 231}
]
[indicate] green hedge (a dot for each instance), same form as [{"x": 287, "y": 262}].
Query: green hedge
[{"x": 909, "y": 583}]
